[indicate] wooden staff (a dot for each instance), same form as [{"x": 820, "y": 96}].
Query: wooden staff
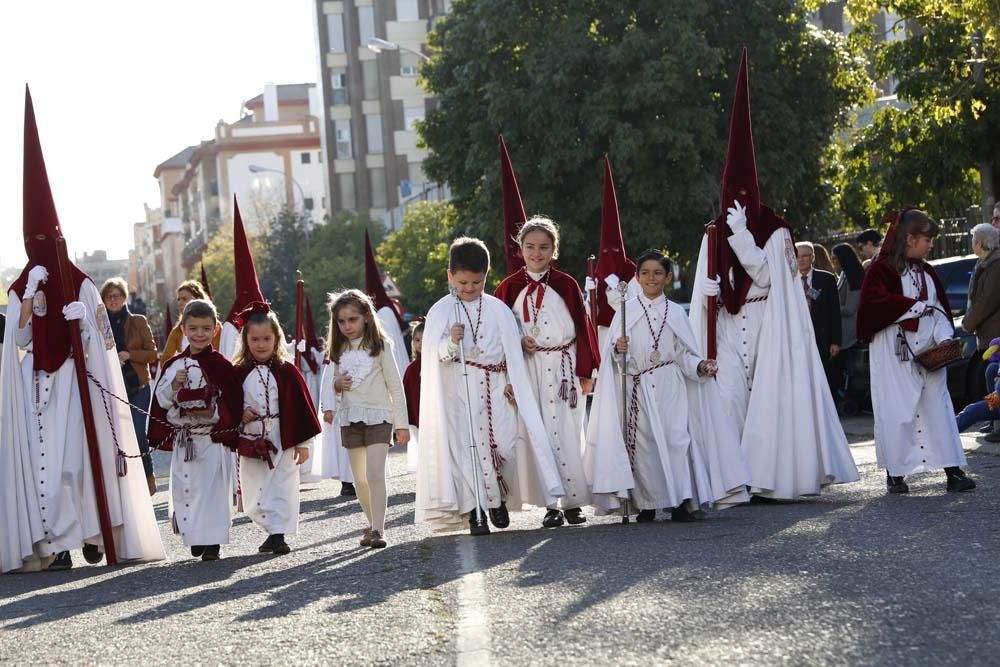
[
  {"x": 90, "y": 426},
  {"x": 592, "y": 294},
  {"x": 712, "y": 247},
  {"x": 300, "y": 335}
]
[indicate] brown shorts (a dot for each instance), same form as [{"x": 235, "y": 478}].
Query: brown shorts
[{"x": 360, "y": 434}]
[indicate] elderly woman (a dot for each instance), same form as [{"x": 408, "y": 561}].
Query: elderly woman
[
  {"x": 187, "y": 291},
  {"x": 983, "y": 315},
  {"x": 136, "y": 350}
]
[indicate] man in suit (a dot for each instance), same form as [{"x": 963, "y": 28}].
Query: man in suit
[{"x": 820, "y": 291}]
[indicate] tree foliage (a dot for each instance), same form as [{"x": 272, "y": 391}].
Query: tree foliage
[
  {"x": 219, "y": 267},
  {"x": 648, "y": 82},
  {"x": 285, "y": 239}
]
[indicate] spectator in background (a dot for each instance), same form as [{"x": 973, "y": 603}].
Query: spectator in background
[
  {"x": 822, "y": 261},
  {"x": 996, "y": 215},
  {"x": 852, "y": 274},
  {"x": 187, "y": 291},
  {"x": 820, "y": 290},
  {"x": 136, "y": 305},
  {"x": 136, "y": 351},
  {"x": 983, "y": 315},
  {"x": 870, "y": 242}
]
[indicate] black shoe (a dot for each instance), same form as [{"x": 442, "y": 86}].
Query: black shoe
[
  {"x": 574, "y": 517},
  {"x": 681, "y": 514},
  {"x": 92, "y": 554},
  {"x": 280, "y": 546},
  {"x": 553, "y": 519},
  {"x": 347, "y": 490},
  {"x": 896, "y": 484},
  {"x": 645, "y": 516},
  {"x": 268, "y": 545},
  {"x": 62, "y": 562},
  {"x": 499, "y": 516},
  {"x": 197, "y": 550},
  {"x": 987, "y": 429},
  {"x": 957, "y": 481},
  {"x": 992, "y": 437},
  {"x": 476, "y": 528},
  {"x": 763, "y": 500},
  {"x": 211, "y": 552}
]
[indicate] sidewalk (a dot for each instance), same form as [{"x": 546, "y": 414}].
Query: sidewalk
[{"x": 860, "y": 431}]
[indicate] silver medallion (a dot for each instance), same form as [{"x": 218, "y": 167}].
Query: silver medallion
[
  {"x": 535, "y": 331},
  {"x": 655, "y": 356},
  {"x": 474, "y": 352}
]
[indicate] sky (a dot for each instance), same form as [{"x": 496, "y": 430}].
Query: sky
[{"x": 120, "y": 86}]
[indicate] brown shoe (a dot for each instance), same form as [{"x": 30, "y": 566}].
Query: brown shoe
[
  {"x": 376, "y": 541},
  {"x": 151, "y": 483},
  {"x": 366, "y": 541}
]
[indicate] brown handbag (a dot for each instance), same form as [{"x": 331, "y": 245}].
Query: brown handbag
[{"x": 936, "y": 356}]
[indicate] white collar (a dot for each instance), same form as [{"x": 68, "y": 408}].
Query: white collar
[
  {"x": 536, "y": 276},
  {"x": 651, "y": 302}
]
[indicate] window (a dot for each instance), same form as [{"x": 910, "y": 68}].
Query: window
[
  {"x": 307, "y": 203},
  {"x": 408, "y": 64},
  {"x": 342, "y": 132},
  {"x": 373, "y": 128},
  {"x": 338, "y": 82},
  {"x": 377, "y": 179},
  {"x": 406, "y": 10},
  {"x": 306, "y": 158},
  {"x": 335, "y": 32},
  {"x": 410, "y": 116},
  {"x": 366, "y": 25},
  {"x": 369, "y": 77},
  {"x": 345, "y": 184}
]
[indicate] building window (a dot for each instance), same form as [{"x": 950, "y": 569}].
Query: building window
[
  {"x": 335, "y": 32},
  {"x": 338, "y": 82},
  {"x": 307, "y": 203},
  {"x": 406, "y": 10},
  {"x": 366, "y": 24},
  {"x": 345, "y": 183},
  {"x": 369, "y": 76},
  {"x": 410, "y": 117},
  {"x": 408, "y": 64},
  {"x": 377, "y": 180},
  {"x": 342, "y": 132},
  {"x": 373, "y": 128},
  {"x": 306, "y": 158}
]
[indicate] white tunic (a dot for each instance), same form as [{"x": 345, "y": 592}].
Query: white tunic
[
  {"x": 328, "y": 459},
  {"x": 390, "y": 324},
  {"x": 915, "y": 428},
  {"x": 200, "y": 489},
  {"x": 313, "y": 380},
  {"x": 270, "y": 497},
  {"x": 546, "y": 371}
]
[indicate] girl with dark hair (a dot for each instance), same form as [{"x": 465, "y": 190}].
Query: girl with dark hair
[
  {"x": 903, "y": 311},
  {"x": 852, "y": 274}
]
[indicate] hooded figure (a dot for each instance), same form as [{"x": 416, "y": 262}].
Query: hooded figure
[
  {"x": 386, "y": 310},
  {"x": 247, "y": 286},
  {"x": 513, "y": 210},
  {"x": 613, "y": 265},
  {"x": 47, "y": 497},
  {"x": 770, "y": 374}
]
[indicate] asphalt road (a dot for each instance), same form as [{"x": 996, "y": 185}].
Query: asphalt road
[{"x": 854, "y": 577}]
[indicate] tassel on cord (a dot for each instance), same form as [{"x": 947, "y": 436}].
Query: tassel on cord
[
  {"x": 188, "y": 446},
  {"x": 574, "y": 397},
  {"x": 564, "y": 390},
  {"x": 902, "y": 350},
  {"x": 121, "y": 464}
]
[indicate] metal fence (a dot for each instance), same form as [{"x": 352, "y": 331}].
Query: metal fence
[{"x": 953, "y": 240}]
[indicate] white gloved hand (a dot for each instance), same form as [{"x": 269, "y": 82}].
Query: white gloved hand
[
  {"x": 74, "y": 310},
  {"x": 37, "y": 275},
  {"x": 737, "y": 218},
  {"x": 589, "y": 284},
  {"x": 709, "y": 286},
  {"x": 301, "y": 346},
  {"x": 612, "y": 281}
]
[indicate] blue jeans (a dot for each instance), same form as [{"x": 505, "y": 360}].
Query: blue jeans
[
  {"x": 973, "y": 413},
  {"x": 991, "y": 374},
  {"x": 142, "y": 398}
]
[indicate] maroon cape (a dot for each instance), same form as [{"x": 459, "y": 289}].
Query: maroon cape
[
  {"x": 298, "y": 420},
  {"x": 218, "y": 372},
  {"x": 588, "y": 358},
  {"x": 882, "y": 301},
  {"x": 411, "y": 388}
]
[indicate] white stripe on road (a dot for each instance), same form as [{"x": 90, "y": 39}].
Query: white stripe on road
[{"x": 473, "y": 625}]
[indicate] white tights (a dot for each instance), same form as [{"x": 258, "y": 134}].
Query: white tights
[{"x": 368, "y": 466}]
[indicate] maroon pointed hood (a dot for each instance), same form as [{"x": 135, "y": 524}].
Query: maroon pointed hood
[
  {"x": 50, "y": 332},
  {"x": 513, "y": 210},
  {"x": 247, "y": 285},
  {"x": 311, "y": 339},
  {"x": 611, "y": 259},
  {"x": 373, "y": 283},
  {"x": 204, "y": 282}
]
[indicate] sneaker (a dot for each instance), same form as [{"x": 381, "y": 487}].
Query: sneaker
[
  {"x": 987, "y": 429},
  {"x": 211, "y": 552},
  {"x": 366, "y": 540},
  {"x": 378, "y": 542},
  {"x": 476, "y": 528},
  {"x": 957, "y": 481},
  {"x": 896, "y": 484},
  {"x": 553, "y": 519},
  {"x": 681, "y": 514},
  {"x": 645, "y": 516},
  {"x": 992, "y": 437},
  {"x": 574, "y": 517},
  {"x": 347, "y": 490},
  {"x": 197, "y": 550},
  {"x": 151, "y": 483},
  {"x": 63, "y": 561},
  {"x": 499, "y": 516},
  {"x": 92, "y": 553}
]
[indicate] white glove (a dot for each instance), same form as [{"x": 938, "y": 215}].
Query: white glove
[
  {"x": 589, "y": 284},
  {"x": 737, "y": 218},
  {"x": 74, "y": 310},
  {"x": 38, "y": 274},
  {"x": 709, "y": 286},
  {"x": 301, "y": 345},
  {"x": 612, "y": 281}
]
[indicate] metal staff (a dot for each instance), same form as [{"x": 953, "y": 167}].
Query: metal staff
[
  {"x": 623, "y": 291},
  {"x": 89, "y": 425},
  {"x": 477, "y": 470},
  {"x": 711, "y": 243},
  {"x": 300, "y": 290},
  {"x": 592, "y": 294}
]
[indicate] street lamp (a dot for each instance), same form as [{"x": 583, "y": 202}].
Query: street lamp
[
  {"x": 256, "y": 169},
  {"x": 379, "y": 45}
]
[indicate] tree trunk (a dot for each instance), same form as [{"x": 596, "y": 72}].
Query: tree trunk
[{"x": 988, "y": 177}]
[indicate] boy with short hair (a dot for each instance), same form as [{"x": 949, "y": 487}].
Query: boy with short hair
[{"x": 514, "y": 463}]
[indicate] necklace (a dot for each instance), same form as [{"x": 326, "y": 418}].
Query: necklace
[
  {"x": 541, "y": 285},
  {"x": 655, "y": 356},
  {"x": 474, "y": 352}
]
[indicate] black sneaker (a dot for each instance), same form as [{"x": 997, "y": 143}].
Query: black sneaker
[
  {"x": 645, "y": 516},
  {"x": 211, "y": 552},
  {"x": 553, "y": 519},
  {"x": 92, "y": 554},
  {"x": 197, "y": 550},
  {"x": 896, "y": 484},
  {"x": 476, "y": 528},
  {"x": 988, "y": 428},
  {"x": 681, "y": 514},
  {"x": 347, "y": 490},
  {"x": 499, "y": 516},
  {"x": 957, "y": 481},
  {"x": 574, "y": 517},
  {"x": 280, "y": 546},
  {"x": 63, "y": 561}
]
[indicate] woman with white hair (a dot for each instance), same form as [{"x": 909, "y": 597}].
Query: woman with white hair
[{"x": 983, "y": 315}]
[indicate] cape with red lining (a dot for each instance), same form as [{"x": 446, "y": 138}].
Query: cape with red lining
[
  {"x": 299, "y": 422},
  {"x": 217, "y": 371},
  {"x": 411, "y": 388},
  {"x": 588, "y": 358},
  {"x": 761, "y": 226},
  {"x": 882, "y": 301}
]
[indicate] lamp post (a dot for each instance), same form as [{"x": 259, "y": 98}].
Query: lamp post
[
  {"x": 379, "y": 45},
  {"x": 256, "y": 169}
]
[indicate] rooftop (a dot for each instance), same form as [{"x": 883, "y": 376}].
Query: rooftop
[{"x": 287, "y": 92}]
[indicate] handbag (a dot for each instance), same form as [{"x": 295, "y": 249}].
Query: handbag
[
  {"x": 259, "y": 446},
  {"x": 196, "y": 398},
  {"x": 936, "y": 356}
]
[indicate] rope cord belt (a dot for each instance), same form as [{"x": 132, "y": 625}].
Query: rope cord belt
[
  {"x": 633, "y": 410},
  {"x": 567, "y": 388},
  {"x": 495, "y": 457}
]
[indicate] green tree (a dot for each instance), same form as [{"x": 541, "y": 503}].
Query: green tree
[
  {"x": 939, "y": 146},
  {"x": 417, "y": 255},
  {"x": 285, "y": 240},
  {"x": 648, "y": 82}
]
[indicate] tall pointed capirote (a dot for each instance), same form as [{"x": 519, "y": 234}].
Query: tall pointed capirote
[
  {"x": 247, "y": 285},
  {"x": 204, "y": 281},
  {"x": 739, "y": 175},
  {"x": 513, "y": 210},
  {"x": 373, "y": 283},
  {"x": 611, "y": 259}
]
